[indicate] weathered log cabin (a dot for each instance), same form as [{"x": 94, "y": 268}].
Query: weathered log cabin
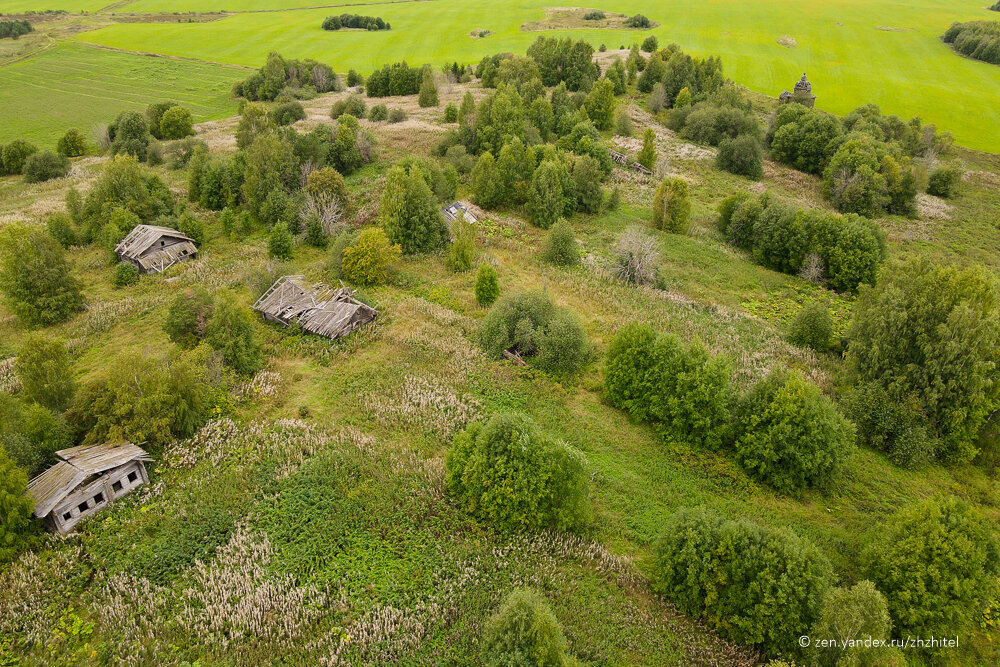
[
  {"x": 87, "y": 480},
  {"x": 316, "y": 308},
  {"x": 153, "y": 249}
]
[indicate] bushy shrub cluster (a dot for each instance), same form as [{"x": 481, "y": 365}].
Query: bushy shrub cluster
[
  {"x": 487, "y": 287},
  {"x": 783, "y": 431},
  {"x": 138, "y": 399},
  {"x": 367, "y": 260},
  {"x": 392, "y": 80},
  {"x": 44, "y": 166},
  {"x": 17, "y": 530},
  {"x": 524, "y": 631},
  {"x": 370, "y": 23},
  {"x": 563, "y": 60},
  {"x": 671, "y": 207},
  {"x": 639, "y": 22},
  {"x": 944, "y": 182},
  {"x": 790, "y": 436},
  {"x": 741, "y": 156},
  {"x": 529, "y": 325},
  {"x": 409, "y": 212},
  {"x": 14, "y": 155},
  {"x": 32, "y": 433},
  {"x": 937, "y": 564},
  {"x": 812, "y": 327},
  {"x": 14, "y": 28},
  {"x": 35, "y": 278},
  {"x": 280, "y": 74},
  {"x": 730, "y": 573},
  {"x": 560, "y": 247},
  {"x": 676, "y": 70},
  {"x": 976, "y": 39},
  {"x": 510, "y": 475},
  {"x": 682, "y": 389},
  {"x": 72, "y": 144},
  {"x": 850, "y": 248},
  {"x": 286, "y": 113},
  {"x": 927, "y": 334}
]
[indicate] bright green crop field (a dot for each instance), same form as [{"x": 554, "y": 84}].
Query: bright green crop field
[
  {"x": 855, "y": 51},
  {"x": 74, "y": 85}
]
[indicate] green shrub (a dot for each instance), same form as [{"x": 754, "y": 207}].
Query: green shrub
[
  {"x": 860, "y": 614},
  {"x": 61, "y": 229},
  {"x": 462, "y": 251},
  {"x": 451, "y": 113},
  {"x": 623, "y": 124},
  {"x": 353, "y": 105},
  {"x": 560, "y": 247},
  {"x": 192, "y": 227},
  {"x": 683, "y": 390},
  {"x": 396, "y": 115},
  {"x": 804, "y": 138},
  {"x": 35, "y": 278},
  {"x": 32, "y": 433},
  {"x": 287, "y": 113},
  {"x": 741, "y": 156},
  {"x": 944, "y": 182},
  {"x": 867, "y": 177},
  {"x": 124, "y": 184},
  {"x": 14, "y": 155},
  {"x": 366, "y": 261},
  {"x": 138, "y": 399},
  {"x": 176, "y": 123},
  {"x": 409, "y": 214},
  {"x": 671, "y": 208},
  {"x": 17, "y": 529},
  {"x": 812, "y": 327},
  {"x": 131, "y": 135},
  {"x": 729, "y": 574},
  {"x": 929, "y": 332},
  {"x": 340, "y": 243},
  {"x": 789, "y": 435},
  {"x": 545, "y": 200},
  {"x": 509, "y": 475},
  {"x": 851, "y": 248},
  {"x": 487, "y": 287},
  {"x": 230, "y": 333},
  {"x": 72, "y": 144},
  {"x": 587, "y": 177},
  {"x": 937, "y": 564},
  {"x": 524, "y": 631},
  {"x": 44, "y": 166},
  {"x": 125, "y": 274},
  {"x": 647, "y": 155},
  {"x": 727, "y": 207},
  {"x": 315, "y": 233},
  {"x": 428, "y": 94},
  {"x": 378, "y": 113},
  {"x": 650, "y": 44},
  {"x": 186, "y": 323},
  {"x": 530, "y": 325},
  {"x": 279, "y": 242}
]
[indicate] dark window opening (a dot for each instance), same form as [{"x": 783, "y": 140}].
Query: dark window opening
[
  {"x": 117, "y": 486},
  {"x": 99, "y": 498},
  {"x": 67, "y": 516},
  {"x": 132, "y": 476},
  {"x": 83, "y": 507}
]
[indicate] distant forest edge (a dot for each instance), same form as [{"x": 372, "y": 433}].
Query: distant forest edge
[
  {"x": 976, "y": 39},
  {"x": 370, "y": 23}
]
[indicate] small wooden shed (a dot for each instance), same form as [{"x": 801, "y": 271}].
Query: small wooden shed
[
  {"x": 153, "y": 249},
  {"x": 316, "y": 308},
  {"x": 88, "y": 478}
]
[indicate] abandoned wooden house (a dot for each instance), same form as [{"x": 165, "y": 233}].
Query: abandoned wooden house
[
  {"x": 88, "y": 478},
  {"x": 318, "y": 309},
  {"x": 624, "y": 161},
  {"x": 154, "y": 249},
  {"x": 452, "y": 210}
]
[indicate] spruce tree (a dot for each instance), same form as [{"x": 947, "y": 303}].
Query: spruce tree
[
  {"x": 647, "y": 156},
  {"x": 428, "y": 90}
]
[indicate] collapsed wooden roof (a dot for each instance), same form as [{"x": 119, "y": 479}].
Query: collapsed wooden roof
[
  {"x": 452, "y": 210},
  {"x": 140, "y": 247},
  {"x": 78, "y": 465},
  {"x": 317, "y": 308}
]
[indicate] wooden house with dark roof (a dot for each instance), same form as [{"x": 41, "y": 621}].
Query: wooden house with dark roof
[
  {"x": 87, "y": 480},
  {"x": 316, "y": 308},
  {"x": 153, "y": 249}
]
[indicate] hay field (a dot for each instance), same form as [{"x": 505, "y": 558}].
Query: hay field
[{"x": 855, "y": 52}]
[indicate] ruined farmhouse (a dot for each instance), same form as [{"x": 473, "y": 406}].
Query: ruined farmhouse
[
  {"x": 153, "y": 249},
  {"x": 316, "y": 308}
]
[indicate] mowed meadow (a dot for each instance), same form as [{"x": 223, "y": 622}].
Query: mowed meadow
[
  {"x": 855, "y": 51},
  {"x": 75, "y": 85}
]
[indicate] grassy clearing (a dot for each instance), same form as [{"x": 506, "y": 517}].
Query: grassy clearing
[
  {"x": 906, "y": 70},
  {"x": 76, "y": 85},
  {"x": 347, "y": 508}
]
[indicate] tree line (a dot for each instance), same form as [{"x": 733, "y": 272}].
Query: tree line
[
  {"x": 976, "y": 39},
  {"x": 371, "y": 23},
  {"x": 287, "y": 78},
  {"x": 15, "y": 28}
]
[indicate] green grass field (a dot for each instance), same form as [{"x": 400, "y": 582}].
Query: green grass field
[
  {"x": 75, "y": 85},
  {"x": 855, "y": 52}
]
